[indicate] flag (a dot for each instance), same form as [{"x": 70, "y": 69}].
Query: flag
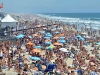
[{"x": 1, "y": 6}]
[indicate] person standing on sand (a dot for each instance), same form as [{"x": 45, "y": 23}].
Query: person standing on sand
[{"x": 5, "y": 34}]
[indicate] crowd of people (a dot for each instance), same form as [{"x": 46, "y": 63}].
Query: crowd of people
[{"x": 51, "y": 50}]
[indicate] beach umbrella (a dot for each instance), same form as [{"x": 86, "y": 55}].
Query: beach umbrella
[
  {"x": 62, "y": 41},
  {"x": 36, "y": 50},
  {"x": 63, "y": 50},
  {"x": 42, "y": 32},
  {"x": 81, "y": 39},
  {"x": 35, "y": 58},
  {"x": 62, "y": 37},
  {"x": 35, "y": 34},
  {"x": 57, "y": 44},
  {"x": 56, "y": 37},
  {"x": 29, "y": 36},
  {"x": 46, "y": 37},
  {"x": 84, "y": 33},
  {"x": 56, "y": 32},
  {"x": 48, "y": 43},
  {"x": 39, "y": 47},
  {"x": 78, "y": 36},
  {"x": 87, "y": 37},
  {"x": 20, "y": 36},
  {"x": 55, "y": 28},
  {"x": 51, "y": 47},
  {"x": 98, "y": 43},
  {"x": 49, "y": 35},
  {"x": 61, "y": 34}
]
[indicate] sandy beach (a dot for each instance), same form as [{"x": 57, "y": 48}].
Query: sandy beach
[{"x": 49, "y": 48}]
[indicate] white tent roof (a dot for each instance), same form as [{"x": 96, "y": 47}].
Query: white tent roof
[{"x": 8, "y": 18}]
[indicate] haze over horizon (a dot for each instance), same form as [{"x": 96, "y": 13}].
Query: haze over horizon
[{"x": 51, "y": 6}]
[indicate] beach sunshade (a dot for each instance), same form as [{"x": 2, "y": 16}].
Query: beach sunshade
[
  {"x": 35, "y": 35},
  {"x": 35, "y": 58},
  {"x": 39, "y": 47},
  {"x": 42, "y": 32},
  {"x": 84, "y": 33},
  {"x": 55, "y": 28},
  {"x": 29, "y": 36},
  {"x": 63, "y": 50},
  {"x": 56, "y": 32},
  {"x": 87, "y": 37},
  {"x": 49, "y": 35},
  {"x": 78, "y": 36},
  {"x": 46, "y": 37},
  {"x": 56, "y": 37},
  {"x": 62, "y": 37},
  {"x": 57, "y": 44},
  {"x": 61, "y": 34},
  {"x": 30, "y": 43},
  {"x": 47, "y": 40},
  {"x": 51, "y": 47},
  {"x": 20, "y": 36},
  {"x": 48, "y": 43},
  {"x": 62, "y": 41},
  {"x": 36, "y": 50},
  {"x": 81, "y": 39},
  {"x": 98, "y": 43}
]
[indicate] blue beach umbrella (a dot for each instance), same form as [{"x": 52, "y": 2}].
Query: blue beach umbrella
[
  {"x": 62, "y": 37},
  {"x": 82, "y": 39},
  {"x": 55, "y": 28},
  {"x": 56, "y": 32},
  {"x": 42, "y": 32},
  {"x": 50, "y": 47},
  {"x": 39, "y": 47},
  {"x": 35, "y": 58},
  {"x": 98, "y": 43},
  {"x": 46, "y": 37},
  {"x": 20, "y": 36},
  {"x": 48, "y": 43},
  {"x": 78, "y": 36},
  {"x": 49, "y": 35},
  {"x": 29, "y": 36},
  {"x": 62, "y": 41}
]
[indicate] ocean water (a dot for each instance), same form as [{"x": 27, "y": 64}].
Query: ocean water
[{"x": 81, "y": 19}]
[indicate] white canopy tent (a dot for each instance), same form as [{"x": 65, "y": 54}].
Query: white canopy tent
[{"x": 8, "y": 21}]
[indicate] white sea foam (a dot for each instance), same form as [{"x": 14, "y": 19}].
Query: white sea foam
[{"x": 95, "y": 24}]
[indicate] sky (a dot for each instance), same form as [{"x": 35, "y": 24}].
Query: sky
[{"x": 51, "y": 6}]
